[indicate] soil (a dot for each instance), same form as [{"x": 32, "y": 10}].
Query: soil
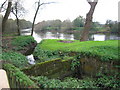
[{"x": 66, "y": 41}]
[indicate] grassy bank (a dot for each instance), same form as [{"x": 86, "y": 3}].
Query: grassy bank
[
  {"x": 104, "y": 50},
  {"x": 18, "y": 43}
]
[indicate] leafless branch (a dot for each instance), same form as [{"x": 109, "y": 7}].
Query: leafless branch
[
  {"x": 2, "y": 5},
  {"x": 45, "y": 3}
]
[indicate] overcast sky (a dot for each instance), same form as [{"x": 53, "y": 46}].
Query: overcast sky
[{"x": 70, "y": 9}]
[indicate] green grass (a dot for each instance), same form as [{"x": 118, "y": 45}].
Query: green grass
[{"x": 104, "y": 50}]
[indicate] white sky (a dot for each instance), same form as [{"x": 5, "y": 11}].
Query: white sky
[{"x": 70, "y": 9}]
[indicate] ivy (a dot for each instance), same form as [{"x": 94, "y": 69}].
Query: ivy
[{"x": 75, "y": 63}]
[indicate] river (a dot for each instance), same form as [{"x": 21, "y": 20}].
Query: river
[{"x": 56, "y": 35}]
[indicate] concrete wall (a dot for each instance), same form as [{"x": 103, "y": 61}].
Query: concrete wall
[{"x": 3, "y": 79}]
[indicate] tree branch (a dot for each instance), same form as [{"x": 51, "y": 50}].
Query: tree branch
[
  {"x": 2, "y": 5},
  {"x": 45, "y": 3}
]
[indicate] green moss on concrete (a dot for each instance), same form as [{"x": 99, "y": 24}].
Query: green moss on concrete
[{"x": 52, "y": 68}]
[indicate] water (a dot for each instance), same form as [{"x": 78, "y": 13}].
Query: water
[
  {"x": 31, "y": 59},
  {"x": 56, "y": 35}
]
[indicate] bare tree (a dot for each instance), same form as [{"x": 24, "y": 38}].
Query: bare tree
[
  {"x": 18, "y": 10},
  {"x": 39, "y": 4},
  {"x": 7, "y": 13},
  {"x": 89, "y": 16}
]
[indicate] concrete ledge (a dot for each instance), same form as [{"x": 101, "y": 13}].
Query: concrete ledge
[{"x": 3, "y": 79}]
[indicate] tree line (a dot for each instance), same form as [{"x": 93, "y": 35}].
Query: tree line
[
  {"x": 11, "y": 26},
  {"x": 77, "y": 24}
]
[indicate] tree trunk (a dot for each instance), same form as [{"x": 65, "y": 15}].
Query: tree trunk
[
  {"x": 84, "y": 36},
  {"x": 36, "y": 14},
  {"x": 17, "y": 19},
  {"x": 18, "y": 25},
  {"x": 6, "y": 15},
  {"x": 34, "y": 20}
]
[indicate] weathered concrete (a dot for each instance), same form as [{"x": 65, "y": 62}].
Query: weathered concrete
[
  {"x": 0, "y": 64},
  {"x": 3, "y": 79}
]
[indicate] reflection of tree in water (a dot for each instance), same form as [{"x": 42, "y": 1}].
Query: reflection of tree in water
[
  {"x": 56, "y": 34},
  {"x": 76, "y": 36},
  {"x": 91, "y": 37},
  {"x": 42, "y": 34},
  {"x": 107, "y": 36}
]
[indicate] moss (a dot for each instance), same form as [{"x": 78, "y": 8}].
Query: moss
[{"x": 53, "y": 68}]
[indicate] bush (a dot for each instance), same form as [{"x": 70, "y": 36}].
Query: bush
[
  {"x": 108, "y": 82},
  {"x": 22, "y": 41},
  {"x": 15, "y": 58}
]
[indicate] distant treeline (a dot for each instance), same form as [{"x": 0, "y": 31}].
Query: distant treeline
[
  {"x": 76, "y": 24},
  {"x": 11, "y": 26}
]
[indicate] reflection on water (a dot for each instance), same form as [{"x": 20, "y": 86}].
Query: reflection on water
[
  {"x": 98, "y": 37},
  {"x": 49, "y": 35},
  {"x": 74, "y": 36}
]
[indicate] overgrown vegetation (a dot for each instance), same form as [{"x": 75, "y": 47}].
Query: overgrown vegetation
[
  {"x": 44, "y": 82},
  {"x": 105, "y": 82},
  {"x": 15, "y": 58},
  {"x": 104, "y": 50},
  {"x": 19, "y": 77}
]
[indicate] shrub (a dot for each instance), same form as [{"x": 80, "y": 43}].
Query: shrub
[
  {"x": 108, "y": 82},
  {"x": 22, "y": 41},
  {"x": 44, "y": 82},
  {"x": 15, "y": 58}
]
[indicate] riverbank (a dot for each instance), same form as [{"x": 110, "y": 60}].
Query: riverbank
[
  {"x": 14, "y": 49},
  {"x": 21, "y": 44}
]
